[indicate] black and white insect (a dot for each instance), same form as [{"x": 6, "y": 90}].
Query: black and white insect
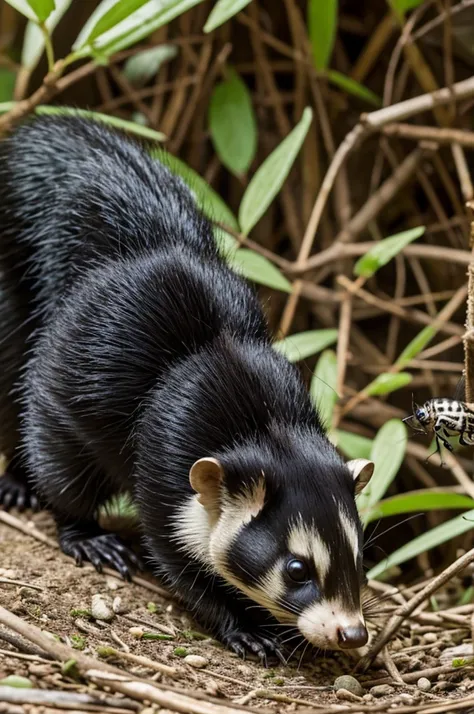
[{"x": 448, "y": 418}]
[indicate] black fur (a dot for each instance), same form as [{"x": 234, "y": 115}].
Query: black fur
[{"x": 135, "y": 351}]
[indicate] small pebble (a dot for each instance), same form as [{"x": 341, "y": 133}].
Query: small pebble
[
  {"x": 368, "y": 698},
  {"x": 404, "y": 698},
  {"x": 196, "y": 661},
  {"x": 424, "y": 684},
  {"x": 118, "y": 606},
  {"x": 101, "y": 609},
  {"x": 137, "y": 632},
  {"x": 382, "y": 690},
  {"x": 430, "y": 637},
  {"x": 41, "y": 670},
  {"x": 7, "y": 573},
  {"x": 245, "y": 670},
  {"x": 113, "y": 583},
  {"x": 348, "y": 696},
  {"x": 350, "y": 684}
]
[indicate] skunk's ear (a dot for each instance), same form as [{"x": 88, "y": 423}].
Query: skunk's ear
[
  {"x": 206, "y": 477},
  {"x": 361, "y": 470}
]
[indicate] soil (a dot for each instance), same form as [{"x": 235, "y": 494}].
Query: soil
[{"x": 62, "y": 607}]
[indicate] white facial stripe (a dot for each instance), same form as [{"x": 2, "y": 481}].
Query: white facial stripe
[
  {"x": 350, "y": 532},
  {"x": 193, "y": 530},
  {"x": 320, "y": 623},
  {"x": 305, "y": 542},
  {"x": 272, "y": 582}
]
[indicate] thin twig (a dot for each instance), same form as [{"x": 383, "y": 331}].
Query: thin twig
[
  {"x": 468, "y": 339},
  {"x": 406, "y": 610}
]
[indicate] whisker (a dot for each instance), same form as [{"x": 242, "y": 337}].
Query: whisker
[{"x": 405, "y": 520}]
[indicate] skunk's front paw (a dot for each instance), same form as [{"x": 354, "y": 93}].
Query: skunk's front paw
[
  {"x": 100, "y": 548},
  {"x": 16, "y": 493},
  {"x": 264, "y": 647}
]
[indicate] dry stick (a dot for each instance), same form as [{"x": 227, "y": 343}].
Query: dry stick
[
  {"x": 186, "y": 117},
  {"x": 345, "y": 319},
  {"x": 144, "y": 661},
  {"x": 86, "y": 663},
  {"x": 411, "y": 315},
  {"x": 375, "y": 45},
  {"x": 32, "y": 531},
  {"x": 8, "y": 581},
  {"x": 462, "y": 171},
  {"x": 405, "y": 611},
  {"x": 166, "y": 698},
  {"x": 369, "y": 122},
  {"x": 384, "y": 194},
  {"x": 341, "y": 188},
  {"x": 412, "y": 677},
  {"x": 344, "y": 149},
  {"x": 28, "y": 657},
  {"x": 430, "y": 133},
  {"x": 438, "y": 323},
  {"x": 47, "y": 89},
  {"x": 284, "y": 127},
  {"x": 58, "y": 650},
  {"x": 21, "y": 645},
  {"x": 391, "y": 667},
  {"x": 337, "y": 251},
  {"x": 468, "y": 340},
  {"x": 67, "y": 700}
]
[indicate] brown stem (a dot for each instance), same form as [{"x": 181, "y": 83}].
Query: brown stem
[{"x": 468, "y": 339}]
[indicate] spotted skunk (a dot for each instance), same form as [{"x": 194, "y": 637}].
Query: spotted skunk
[{"x": 133, "y": 358}]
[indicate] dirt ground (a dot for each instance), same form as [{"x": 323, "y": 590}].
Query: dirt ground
[{"x": 61, "y": 605}]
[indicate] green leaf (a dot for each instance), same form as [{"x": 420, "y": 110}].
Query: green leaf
[
  {"x": 33, "y": 41},
  {"x": 143, "y": 66},
  {"x": 419, "y": 502},
  {"x": 222, "y": 11},
  {"x": 323, "y": 386},
  {"x": 130, "y": 126},
  {"x": 123, "y": 124},
  {"x": 388, "y": 382},
  {"x": 102, "y": 8},
  {"x": 388, "y": 451},
  {"x": 232, "y": 124},
  {"x": 354, "y": 446},
  {"x": 402, "y": 6},
  {"x": 140, "y": 24},
  {"x": 14, "y": 680},
  {"x": 271, "y": 175},
  {"x": 24, "y": 8},
  {"x": 42, "y": 8},
  {"x": 206, "y": 198},
  {"x": 322, "y": 21},
  {"x": 304, "y": 344},
  {"x": 257, "y": 268},
  {"x": 121, "y": 10},
  {"x": 383, "y": 251},
  {"x": 7, "y": 84},
  {"x": 416, "y": 345},
  {"x": 350, "y": 86},
  {"x": 434, "y": 537}
]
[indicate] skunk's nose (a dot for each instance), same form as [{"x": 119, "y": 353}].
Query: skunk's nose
[{"x": 350, "y": 638}]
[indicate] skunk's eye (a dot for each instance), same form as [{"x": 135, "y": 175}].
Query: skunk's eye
[{"x": 297, "y": 570}]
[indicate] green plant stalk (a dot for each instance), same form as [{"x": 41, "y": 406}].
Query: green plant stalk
[{"x": 48, "y": 46}]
